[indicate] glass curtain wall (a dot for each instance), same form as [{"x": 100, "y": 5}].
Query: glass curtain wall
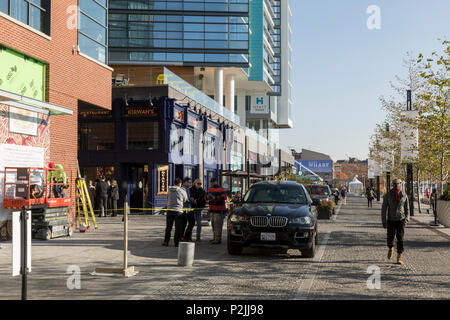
[
  {"x": 92, "y": 28},
  {"x": 189, "y": 32}
]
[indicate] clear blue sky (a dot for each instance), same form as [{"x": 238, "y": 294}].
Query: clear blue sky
[{"x": 341, "y": 68}]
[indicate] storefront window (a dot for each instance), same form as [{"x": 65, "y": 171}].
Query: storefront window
[
  {"x": 189, "y": 173},
  {"x": 210, "y": 151},
  {"x": 96, "y": 136},
  {"x": 188, "y": 139},
  {"x": 142, "y": 135},
  {"x": 175, "y": 138},
  {"x": 93, "y": 173}
]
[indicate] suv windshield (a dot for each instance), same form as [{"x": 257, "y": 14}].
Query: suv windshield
[
  {"x": 276, "y": 194},
  {"x": 318, "y": 190}
]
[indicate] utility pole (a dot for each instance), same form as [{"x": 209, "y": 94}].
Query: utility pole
[{"x": 409, "y": 166}]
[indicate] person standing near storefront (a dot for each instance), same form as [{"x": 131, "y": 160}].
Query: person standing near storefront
[
  {"x": 394, "y": 217},
  {"x": 114, "y": 197},
  {"x": 187, "y": 217},
  {"x": 91, "y": 189},
  {"x": 109, "y": 212},
  {"x": 198, "y": 202},
  {"x": 101, "y": 194},
  {"x": 217, "y": 198},
  {"x": 176, "y": 201}
]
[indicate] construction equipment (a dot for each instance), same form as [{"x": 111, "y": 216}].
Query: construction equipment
[
  {"x": 30, "y": 188},
  {"x": 84, "y": 203}
]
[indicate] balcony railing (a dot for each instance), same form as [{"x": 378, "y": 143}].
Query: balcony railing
[{"x": 183, "y": 87}]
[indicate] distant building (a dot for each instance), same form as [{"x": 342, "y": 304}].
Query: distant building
[{"x": 319, "y": 163}]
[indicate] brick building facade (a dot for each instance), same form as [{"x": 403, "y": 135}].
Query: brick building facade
[{"x": 71, "y": 78}]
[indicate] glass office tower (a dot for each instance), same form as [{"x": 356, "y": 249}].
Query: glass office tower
[{"x": 184, "y": 33}]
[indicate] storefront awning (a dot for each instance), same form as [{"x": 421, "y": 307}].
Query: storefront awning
[{"x": 18, "y": 101}]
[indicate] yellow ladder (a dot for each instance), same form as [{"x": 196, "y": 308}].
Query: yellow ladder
[{"x": 84, "y": 203}]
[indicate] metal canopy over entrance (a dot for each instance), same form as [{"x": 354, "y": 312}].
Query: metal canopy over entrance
[{"x": 19, "y": 101}]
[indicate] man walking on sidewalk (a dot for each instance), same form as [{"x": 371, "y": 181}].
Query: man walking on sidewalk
[
  {"x": 396, "y": 206},
  {"x": 217, "y": 208}
]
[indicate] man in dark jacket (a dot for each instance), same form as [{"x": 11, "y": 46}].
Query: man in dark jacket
[
  {"x": 101, "y": 193},
  {"x": 217, "y": 198},
  {"x": 396, "y": 208},
  {"x": 198, "y": 202}
]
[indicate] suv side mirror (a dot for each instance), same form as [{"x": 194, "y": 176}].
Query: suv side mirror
[{"x": 315, "y": 202}]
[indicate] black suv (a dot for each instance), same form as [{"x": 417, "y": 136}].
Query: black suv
[{"x": 274, "y": 215}]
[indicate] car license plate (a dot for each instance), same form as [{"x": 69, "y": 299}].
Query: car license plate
[
  {"x": 268, "y": 236},
  {"x": 57, "y": 228}
]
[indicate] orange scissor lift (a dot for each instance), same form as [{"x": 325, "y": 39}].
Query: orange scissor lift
[{"x": 49, "y": 214}]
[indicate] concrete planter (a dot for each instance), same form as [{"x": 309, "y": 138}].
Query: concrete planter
[{"x": 443, "y": 212}]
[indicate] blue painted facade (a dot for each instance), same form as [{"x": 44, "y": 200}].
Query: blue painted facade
[{"x": 136, "y": 171}]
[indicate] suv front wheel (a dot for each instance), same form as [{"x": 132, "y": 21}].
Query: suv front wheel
[{"x": 310, "y": 253}]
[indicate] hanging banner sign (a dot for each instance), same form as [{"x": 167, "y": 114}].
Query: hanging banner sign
[
  {"x": 213, "y": 130},
  {"x": 193, "y": 122},
  {"x": 23, "y": 121},
  {"x": 409, "y": 137},
  {"x": 371, "y": 169},
  {"x": 178, "y": 115}
]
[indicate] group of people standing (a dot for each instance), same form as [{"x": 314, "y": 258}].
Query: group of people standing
[
  {"x": 340, "y": 194},
  {"x": 185, "y": 206},
  {"x": 105, "y": 194}
]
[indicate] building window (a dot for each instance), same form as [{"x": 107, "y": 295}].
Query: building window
[
  {"x": 210, "y": 150},
  {"x": 92, "y": 28},
  {"x": 96, "y": 136},
  {"x": 188, "y": 140},
  {"x": 35, "y": 13},
  {"x": 142, "y": 135},
  {"x": 175, "y": 138},
  {"x": 189, "y": 173}
]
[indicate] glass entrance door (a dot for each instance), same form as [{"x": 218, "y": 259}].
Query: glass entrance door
[{"x": 136, "y": 187}]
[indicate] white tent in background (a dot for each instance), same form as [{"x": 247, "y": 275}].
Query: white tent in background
[{"x": 356, "y": 186}]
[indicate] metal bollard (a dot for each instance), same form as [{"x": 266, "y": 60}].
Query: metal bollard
[{"x": 186, "y": 252}]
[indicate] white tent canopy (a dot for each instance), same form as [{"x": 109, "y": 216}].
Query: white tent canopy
[{"x": 356, "y": 186}]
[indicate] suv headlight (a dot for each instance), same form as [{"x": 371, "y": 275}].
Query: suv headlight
[
  {"x": 302, "y": 220},
  {"x": 236, "y": 218}
]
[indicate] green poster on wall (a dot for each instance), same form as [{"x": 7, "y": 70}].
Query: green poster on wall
[{"x": 22, "y": 75}]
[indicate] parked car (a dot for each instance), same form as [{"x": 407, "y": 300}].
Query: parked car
[
  {"x": 275, "y": 214},
  {"x": 321, "y": 192}
]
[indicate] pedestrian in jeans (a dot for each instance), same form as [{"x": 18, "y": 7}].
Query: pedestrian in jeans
[
  {"x": 187, "y": 217},
  {"x": 177, "y": 198},
  {"x": 344, "y": 196},
  {"x": 370, "y": 194},
  {"x": 217, "y": 198},
  {"x": 396, "y": 207},
  {"x": 198, "y": 202}
]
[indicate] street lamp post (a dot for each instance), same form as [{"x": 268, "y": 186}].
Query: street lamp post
[
  {"x": 388, "y": 173},
  {"x": 409, "y": 166}
]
